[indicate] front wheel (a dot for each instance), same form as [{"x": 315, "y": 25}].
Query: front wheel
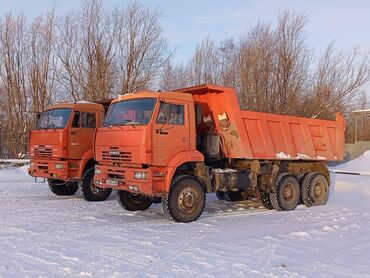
[
  {"x": 62, "y": 188},
  {"x": 91, "y": 191},
  {"x": 186, "y": 200},
  {"x": 133, "y": 202}
]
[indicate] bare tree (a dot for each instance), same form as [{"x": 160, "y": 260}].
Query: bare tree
[
  {"x": 14, "y": 100},
  {"x": 41, "y": 64},
  {"x": 66, "y": 45},
  {"x": 174, "y": 76},
  {"x": 141, "y": 48},
  {"x": 338, "y": 79}
]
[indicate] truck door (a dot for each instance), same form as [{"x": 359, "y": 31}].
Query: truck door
[
  {"x": 170, "y": 132},
  {"x": 81, "y": 133}
]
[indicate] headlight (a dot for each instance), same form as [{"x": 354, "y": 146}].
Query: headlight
[
  {"x": 59, "y": 165},
  {"x": 140, "y": 175},
  {"x": 98, "y": 182},
  {"x": 31, "y": 164},
  {"x": 97, "y": 171}
]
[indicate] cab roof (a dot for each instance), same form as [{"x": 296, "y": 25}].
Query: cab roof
[
  {"x": 78, "y": 105},
  {"x": 158, "y": 95}
]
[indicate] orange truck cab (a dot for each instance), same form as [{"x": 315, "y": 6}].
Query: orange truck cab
[
  {"x": 178, "y": 146},
  {"x": 61, "y": 148}
]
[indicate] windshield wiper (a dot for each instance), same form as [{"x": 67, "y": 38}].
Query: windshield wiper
[{"x": 132, "y": 123}]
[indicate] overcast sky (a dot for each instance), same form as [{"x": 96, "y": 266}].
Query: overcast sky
[{"x": 187, "y": 22}]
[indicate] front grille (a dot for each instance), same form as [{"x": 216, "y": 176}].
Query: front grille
[
  {"x": 43, "y": 166},
  {"x": 116, "y": 174},
  {"x": 114, "y": 154},
  {"x": 42, "y": 151}
]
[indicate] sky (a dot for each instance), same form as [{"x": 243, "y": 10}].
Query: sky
[{"x": 187, "y": 22}]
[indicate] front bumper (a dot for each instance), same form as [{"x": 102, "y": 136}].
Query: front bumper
[
  {"x": 46, "y": 169},
  {"x": 123, "y": 178}
]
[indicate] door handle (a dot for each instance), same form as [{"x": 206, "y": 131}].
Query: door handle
[
  {"x": 185, "y": 139},
  {"x": 159, "y": 130}
]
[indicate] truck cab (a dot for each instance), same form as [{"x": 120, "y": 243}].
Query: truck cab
[
  {"x": 178, "y": 146},
  {"x": 61, "y": 148}
]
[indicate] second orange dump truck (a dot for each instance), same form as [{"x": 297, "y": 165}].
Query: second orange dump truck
[
  {"x": 180, "y": 145},
  {"x": 61, "y": 148}
]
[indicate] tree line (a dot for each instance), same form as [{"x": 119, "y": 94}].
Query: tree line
[{"x": 93, "y": 53}]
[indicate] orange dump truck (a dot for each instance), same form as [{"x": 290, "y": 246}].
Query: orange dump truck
[
  {"x": 61, "y": 148},
  {"x": 179, "y": 145}
]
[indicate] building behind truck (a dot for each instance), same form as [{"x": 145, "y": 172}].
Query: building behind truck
[
  {"x": 181, "y": 145},
  {"x": 61, "y": 148}
]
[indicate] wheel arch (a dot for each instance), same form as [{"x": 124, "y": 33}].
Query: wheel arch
[{"x": 184, "y": 163}]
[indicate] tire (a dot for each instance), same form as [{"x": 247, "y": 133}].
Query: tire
[
  {"x": 62, "y": 188},
  {"x": 185, "y": 201},
  {"x": 286, "y": 193},
  {"x": 91, "y": 192},
  {"x": 220, "y": 195},
  {"x": 315, "y": 189},
  {"x": 265, "y": 199},
  {"x": 133, "y": 202},
  {"x": 231, "y": 196},
  {"x": 300, "y": 178}
]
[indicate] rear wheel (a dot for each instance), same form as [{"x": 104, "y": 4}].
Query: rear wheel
[
  {"x": 265, "y": 199},
  {"x": 220, "y": 195},
  {"x": 185, "y": 201},
  {"x": 90, "y": 190},
  {"x": 133, "y": 202},
  {"x": 315, "y": 189},
  {"x": 62, "y": 188},
  {"x": 286, "y": 192},
  {"x": 232, "y": 196}
]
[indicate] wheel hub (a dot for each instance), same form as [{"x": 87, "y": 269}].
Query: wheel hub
[
  {"x": 288, "y": 192},
  {"x": 317, "y": 190},
  {"x": 187, "y": 200}
]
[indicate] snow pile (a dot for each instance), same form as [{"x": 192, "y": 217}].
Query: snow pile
[
  {"x": 15, "y": 175},
  {"x": 359, "y": 164},
  {"x": 354, "y": 190},
  {"x": 61, "y": 236}
]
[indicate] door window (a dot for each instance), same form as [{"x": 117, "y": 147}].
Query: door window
[
  {"x": 76, "y": 119},
  {"x": 88, "y": 120},
  {"x": 171, "y": 114}
]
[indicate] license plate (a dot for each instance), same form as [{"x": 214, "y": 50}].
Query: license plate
[
  {"x": 112, "y": 182},
  {"x": 114, "y": 152}
]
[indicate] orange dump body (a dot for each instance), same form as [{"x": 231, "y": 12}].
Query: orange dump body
[
  {"x": 62, "y": 152},
  {"x": 256, "y": 135}
]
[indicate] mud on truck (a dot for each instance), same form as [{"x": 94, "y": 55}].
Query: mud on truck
[
  {"x": 180, "y": 145},
  {"x": 61, "y": 148}
]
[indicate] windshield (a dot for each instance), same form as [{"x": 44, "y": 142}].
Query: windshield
[
  {"x": 54, "y": 118},
  {"x": 130, "y": 112}
]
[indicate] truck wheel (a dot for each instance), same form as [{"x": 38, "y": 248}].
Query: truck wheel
[
  {"x": 185, "y": 201},
  {"x": 220, "y": 195},
  {"x": 62, "y": 188},
  {"x": 315, "y": 189},
  {"x": 265, "y": 199},
  {"x": 91, "y": 192},
  {"x": 133, "y": 202},
  {"x": 286, "y": 192}
]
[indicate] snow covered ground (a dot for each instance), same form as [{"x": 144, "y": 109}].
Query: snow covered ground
[{"x": 49, "y": 236}]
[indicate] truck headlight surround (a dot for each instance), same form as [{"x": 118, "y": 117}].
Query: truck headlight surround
[
  {"x": 140, "y": 175},
  {"x": 59, "y": 165}
]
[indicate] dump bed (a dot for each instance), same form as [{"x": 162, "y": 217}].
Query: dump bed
[{"x": 256, "y": 135}]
